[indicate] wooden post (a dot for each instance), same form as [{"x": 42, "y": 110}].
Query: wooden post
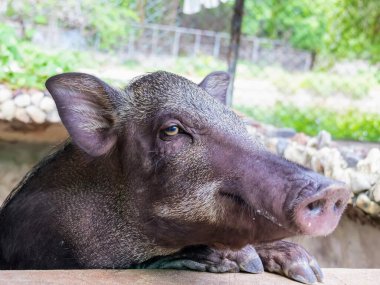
[
  {"x": 131, "y": 42},
  {"x": 176, "y": 43},
  {"x": 233, "y": 52},
  {"x": 255, "y": 50},
  {"x": 216, "y": 45},
  {"x": 197, "y": 43},
  {"x": 153, "y": 49}
]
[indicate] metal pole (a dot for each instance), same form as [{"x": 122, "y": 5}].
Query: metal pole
[{"x": 233, "y": 52}]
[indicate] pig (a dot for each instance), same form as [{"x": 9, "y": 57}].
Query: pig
[{"x": 162, "y": 174}]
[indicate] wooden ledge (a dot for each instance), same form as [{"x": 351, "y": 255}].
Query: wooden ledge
[{"x": 173, "y": 277}]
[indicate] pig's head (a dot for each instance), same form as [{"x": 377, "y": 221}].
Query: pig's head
[{"x": 192, "y": 173}]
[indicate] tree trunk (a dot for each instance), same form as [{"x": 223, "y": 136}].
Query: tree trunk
[{"x": 233, "y": 52}]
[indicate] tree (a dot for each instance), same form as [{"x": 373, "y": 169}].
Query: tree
[{"x": 341, "y": 28}]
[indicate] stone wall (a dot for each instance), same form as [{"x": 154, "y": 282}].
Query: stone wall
[{"x": 16, "y": 159}]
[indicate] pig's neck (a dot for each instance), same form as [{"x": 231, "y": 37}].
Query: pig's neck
[{"x": 99, "y": 211}]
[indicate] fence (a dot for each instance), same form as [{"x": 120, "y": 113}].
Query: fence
[
  {"x": 159, "y": 40},
  {"x": 171, "y": 41}
]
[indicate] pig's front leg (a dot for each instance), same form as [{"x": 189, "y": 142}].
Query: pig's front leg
[
  {"x": 204, "y": 258},
  {"x": 291, "y": 260}
]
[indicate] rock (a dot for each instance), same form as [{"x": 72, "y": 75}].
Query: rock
[
  {"x": 5, "y": 94},
  {"x": 351, "y": 200},
  {"x": 312, "y": 142},
  {"x": 36, "y": 98},
  {"x": 22, "y": 100},
  {"x": 350, "y": 157},
  {"x": 327, "y": 161},
  {"x": 317, "y": 164},
  {"x": 341, "y": 174},
  {"x": 21, "y": 115},
  {"x": 359, "y": 182},
  {"x": 376, "y": 191},
  {"x": 323, "y": 139},
  {"x": 368, "y": 206},
  {"x": 296, "y": 153},
  {"x": 8, "y": 109},
  {"x": 300, "y": 138},
  {"x": 47, "y": 104},
  {"x": 53, "y": 117},
  {"x": 271, "y": 144},
  {"x": 36, "y": 114},
  {"x": 251, "y": 130},
  {"x": 281, "y": 146},
  {"x": 283, "y": 133},
  {"x": 371, "y": 164}
]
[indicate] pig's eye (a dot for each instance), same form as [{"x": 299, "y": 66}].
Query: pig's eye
[{"x": 171, "y": 131}]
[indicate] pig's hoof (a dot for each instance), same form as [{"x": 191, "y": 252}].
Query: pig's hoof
[
  {"x": 291, "y": 260},
  {"x": 203, "y": 258},
  {"x": 247, "y": 259}
]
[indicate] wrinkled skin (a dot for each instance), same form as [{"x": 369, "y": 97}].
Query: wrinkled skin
[{"x": 163, "y": 175}]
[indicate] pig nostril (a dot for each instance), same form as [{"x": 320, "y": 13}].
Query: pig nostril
[
  {"x": 338, "y": 205},
  {"x": 316, "y": 206}
]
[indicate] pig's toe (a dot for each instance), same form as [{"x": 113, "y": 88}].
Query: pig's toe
[
  {"x": 316, "y": 269},
  {"x": 300, "y": 272},
  {"x": 248, "y": 260},
  {"x": 291, "y": 260}
]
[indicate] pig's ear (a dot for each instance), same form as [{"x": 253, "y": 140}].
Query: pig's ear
[
  {"x": 84, "y": 104},
  {"x": 216, "y": 84}
]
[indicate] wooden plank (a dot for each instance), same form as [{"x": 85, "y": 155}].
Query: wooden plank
[{"x": 174, "y": 277}]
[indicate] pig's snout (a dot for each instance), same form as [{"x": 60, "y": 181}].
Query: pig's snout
[{"x": 319, "y": 214}]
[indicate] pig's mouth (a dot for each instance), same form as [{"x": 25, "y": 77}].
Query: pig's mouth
[{"x": 254, "y": 212}]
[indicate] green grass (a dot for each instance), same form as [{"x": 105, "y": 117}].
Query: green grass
[
  {"x": 317, "y": 83},
  {"x": 324, "y": 84},
  {"x": 348, "y": 125}
]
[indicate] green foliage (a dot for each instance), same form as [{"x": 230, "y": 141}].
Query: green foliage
[
  {"x": 343, "y": 28},
  {"x": 291, "y": 20},
  {"x": 350, "y": 124},
  {"x": 109, "y": 21},
  {"x": 354, "y": 29},
  {"x": 9, "y": 51},
  {"x": 104, "y": 22},
  {"x": 24, "y": 65}
]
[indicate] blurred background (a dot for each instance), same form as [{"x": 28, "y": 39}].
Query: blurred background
[
  {"x": 318, "y": 58},
  {"x": 307, "y": 83}
]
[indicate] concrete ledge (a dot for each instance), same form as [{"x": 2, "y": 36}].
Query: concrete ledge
[
  {"x": 173, "y": 277},
  {"x": 32, "y": 133}
]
